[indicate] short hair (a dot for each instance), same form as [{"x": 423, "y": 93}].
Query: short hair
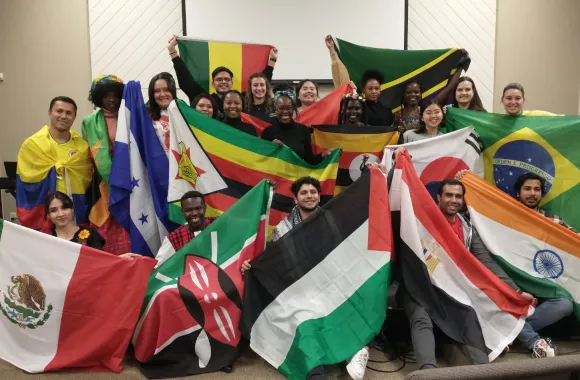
[
  {"x": 98, "y": 92},
  {"x": 208, "y": 97},
  {"x": 233, "y": 92},
  {"x": 300, "y": 85},
  {"x": 192, "y": 194},
  {"x": 221, "y": 69},
  {"x": 524, "y": 177},
  {"x": 67, "y": 202},
  {"x": 450, "y": 182},
  {"x": 372, "y": 74},
  {"x": 154, "y": 108},
  {"x": 304, "y": 181},
  {"x": 513, "y": 86},
  {"x": 65, "y": 99}
]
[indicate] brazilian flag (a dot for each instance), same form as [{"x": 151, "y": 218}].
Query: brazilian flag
[{"x": 514, "y": 145}]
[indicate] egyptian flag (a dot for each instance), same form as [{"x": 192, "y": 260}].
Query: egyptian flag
[
  {"x": 190, "y": 317},
  {"x": 360, "y": 146},
  {"x": 466, "y": 300},
  {"x": 319, "y": 294}
]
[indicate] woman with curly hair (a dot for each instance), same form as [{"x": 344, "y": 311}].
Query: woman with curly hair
[{"x": 258, "y": 98}]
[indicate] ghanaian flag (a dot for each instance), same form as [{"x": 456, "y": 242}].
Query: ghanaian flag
[
  {"x": 514, "y": 145},
  {"x": 360, "y": 145},
  {"x": 225, "y": 163},
  {"x": 432, "y": 68}
]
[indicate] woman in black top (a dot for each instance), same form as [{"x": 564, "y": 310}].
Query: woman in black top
[
  {"x": 205, "y": 104},
  {"x": 378, "y": 114},
  {"x": 233, "y": 112},
  {"x": 259, "y": 102},
  {"x": 353, "y": 111}
]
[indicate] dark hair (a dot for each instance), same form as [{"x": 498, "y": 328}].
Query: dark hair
[
  {"x": 221, "y": 69},
  {"x": 407, "y": 84},
  {"x": 97, "y": 93},
  {"x": 422, "y": 127},
  {"x": 524, "y": 177},
  {"x": 513, "y": 86},
  {"x": 344, "y": 105},
  {"x": 299, "y": 86},
  {"x": 67, "y": 202},
  {"x": 208, "y": 97},
  {"x": 304, "y": 181},
  {"x": 475, "y": 104},
  {"x": 192, "y": 194},
  {"x": 278, "y": 96},
  {"x": 153, "y": 107},
  {"x": 65, "y": 99},
  {"x": 450, "y": 182},
  {"x": 250, "y": 97},
  {"x": 234, "y": 92},
  {"x": 372, "y": 74}
]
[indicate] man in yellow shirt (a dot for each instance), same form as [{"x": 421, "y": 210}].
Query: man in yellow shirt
[{"x": 54, "y": 158}]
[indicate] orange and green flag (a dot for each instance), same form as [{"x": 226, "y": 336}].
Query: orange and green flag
[{"x": 202, "y": 57}]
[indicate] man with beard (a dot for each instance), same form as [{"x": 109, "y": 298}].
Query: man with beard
[{"x": 529, "y": 189}]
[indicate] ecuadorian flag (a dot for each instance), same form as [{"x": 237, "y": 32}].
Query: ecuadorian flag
[
  {"x": 545, "y": 145},
  {"x": 202, "y": 57}
]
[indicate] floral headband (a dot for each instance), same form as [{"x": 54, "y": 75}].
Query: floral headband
[
  {"x": 288, "y": 93},
  {"x": 355, "y": 96},
  {"x": 102, "y": 79}
]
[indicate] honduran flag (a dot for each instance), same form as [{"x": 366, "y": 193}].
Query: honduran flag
[
  {"x": 541, "y": 256},
  {"x": 466, "y": 300},
  {"x": 65, "y": 305}
]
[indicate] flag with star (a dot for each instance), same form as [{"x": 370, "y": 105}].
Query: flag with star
[
  {"x": 139, "y": 176},
  {"x": 514, "y": 145}
]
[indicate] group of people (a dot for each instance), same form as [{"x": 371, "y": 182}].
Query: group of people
[{"x": 416, "y": 120}]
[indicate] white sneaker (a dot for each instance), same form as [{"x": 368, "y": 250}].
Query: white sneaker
[
  {"x": 358, "y": 364},
  {"x": 543, "y": 349}
]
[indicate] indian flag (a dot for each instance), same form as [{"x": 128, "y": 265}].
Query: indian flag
[
  {"x": 202, "y": 57},
  {"x": 65, "y": 305},
  {"x": 541, "y": 256}
]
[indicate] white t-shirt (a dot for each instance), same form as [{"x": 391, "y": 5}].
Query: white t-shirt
[{"x": 413, "y": 135}]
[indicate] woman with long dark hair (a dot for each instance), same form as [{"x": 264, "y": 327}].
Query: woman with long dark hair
[
  {"x": 466, "y": 95},
  {"x": 162, "y": 91}
]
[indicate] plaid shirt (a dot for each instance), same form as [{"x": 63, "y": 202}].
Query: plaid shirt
[
  {"x": 556, "y": 219},
  {"x": 183, "y": 235}
]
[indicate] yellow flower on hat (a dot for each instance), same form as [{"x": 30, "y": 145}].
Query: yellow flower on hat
[{"x": 84, "y": 234}]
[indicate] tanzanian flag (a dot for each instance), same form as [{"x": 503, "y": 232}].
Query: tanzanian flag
[
  {"x": 202, "y": 57},
  {"x": 431, "y": 68},
  {"x": 224, "y": 164},
  {"x": 545, "y": 145}
]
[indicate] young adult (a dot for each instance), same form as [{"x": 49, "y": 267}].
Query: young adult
[
  {"x": 205, "y": 104},
  {"x": 466, "y": 95},
  {"x": 306, "y": 93},
  {"x": 353, "y": 111},
  {"x": 513, "y": 100},
  {"x": 259, "y": 102},
  {"x": 233, "y": 112},
  {"x": 431, "y": 118},
  {"x": 285, "y": 131},
  {"x": 162, "y": 91}
]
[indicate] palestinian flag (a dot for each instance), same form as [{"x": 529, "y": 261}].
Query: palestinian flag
[
  {"x": 190, "y": 318},
  {"x": 360, "y": 145},
  {"x": 319, "y": 294},
  {"x": 202, "y": 57},
  {"x": 65, "y": 305},
  {"x": 224, "y": 164},
  {"x": 432, "y": 68},
  {"x": 465, "y": 299},
  {"x": 541, "y": 256},
  {"x": 544, "y": 145}
]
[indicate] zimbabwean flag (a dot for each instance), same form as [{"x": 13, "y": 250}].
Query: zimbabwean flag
[
  {"x": 545, "y": 145},
  {"x": 431, "y": 68}
]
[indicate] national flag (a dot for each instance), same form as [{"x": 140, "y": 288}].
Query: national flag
[
  {"x": 44, "y": 166},
  {"x": 360, "y": 145},
  {"x": 139, "y": 176},
  {"x": 202, "y": 57},
  {"x": 64, "y": 305},
  {"x": 190, "y": 318},
  {"x": 319, "y": 294},
  {"x": 241, "y": 161},
  {"x": 544, "y": 145},
  {"x": 465, "y": 299},
  {"x": 431, "y": 68},
  {"x": 324, "y": 111},
  {"x": 541, "y": 256},
  {"x": 441, "y": 157},
  {"x": 258, "y": 123}
]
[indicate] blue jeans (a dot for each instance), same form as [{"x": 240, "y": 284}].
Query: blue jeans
[{"x": 548, "y": 311}]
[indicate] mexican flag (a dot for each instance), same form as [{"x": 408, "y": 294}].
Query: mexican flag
[
  {"x": 319, "y": 294},
  {"x": 541, "y": 256},
  {"x": 65, "y": 305},
  {"x": 190, "y": 318}
]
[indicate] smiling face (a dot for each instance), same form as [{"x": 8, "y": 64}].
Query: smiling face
[
  {"x": 412, "y": 95},
  {"x": 372, "y": 90},
  {"x": 62, "y": 115},
  {"x": 205, "y": 106},
  {"x": 307, "y": 198},
  {"x": 193, "y": 210},
  {"x": 464, "y": 93},
  {"x": 284, "y": 110},
  {"x": 58, "y": 214},
  {"x": 353, "y": 111},
  {"x": 513, "y": 101},
  {"x": 161, "y": 94},
  {"x": 531, "y": 193},
  {"x": 451, "y": 200},
  {"x": 258, "y": 87},
  {"x": 222, "y": 82},
  {"x": 232, "y": 105},
  {"x": 308, "y": 93},
  {"x": 432, "y": 116}
]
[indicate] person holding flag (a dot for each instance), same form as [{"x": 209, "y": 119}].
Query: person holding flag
[{"x": 513, "y": 99}]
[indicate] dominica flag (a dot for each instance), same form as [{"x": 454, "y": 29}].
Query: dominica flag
[
  {"x": 64, "y": 305},
  {"x": 224, "y": 164},
  {"x": 515, "y": 145},
  {"x": 202, "y": 57},
  {"x": 190, "y": 318},
  {"x": 432, "y": 68},
  {"x": 319, "y": 294},
  {"x": 466, "y": 300},
  {"x": 541, "y": 256},
  {"x": 360, "y": 145}
]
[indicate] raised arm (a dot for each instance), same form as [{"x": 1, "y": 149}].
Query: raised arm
[
  {"x": 339, "y": 72},
  {"x": 272, "y": 59},
  {"x": 184, "y": 78}
]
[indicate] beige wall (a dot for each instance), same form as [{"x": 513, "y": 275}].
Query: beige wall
[
  {"x": 44, "y": 52},
  {"x": 538, "y": 45}
]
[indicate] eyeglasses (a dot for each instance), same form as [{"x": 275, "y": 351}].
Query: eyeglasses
[{"x": 224, "y": 79}]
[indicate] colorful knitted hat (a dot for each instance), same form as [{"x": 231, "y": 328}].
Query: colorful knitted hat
[{"x": 102, "y": 79}]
